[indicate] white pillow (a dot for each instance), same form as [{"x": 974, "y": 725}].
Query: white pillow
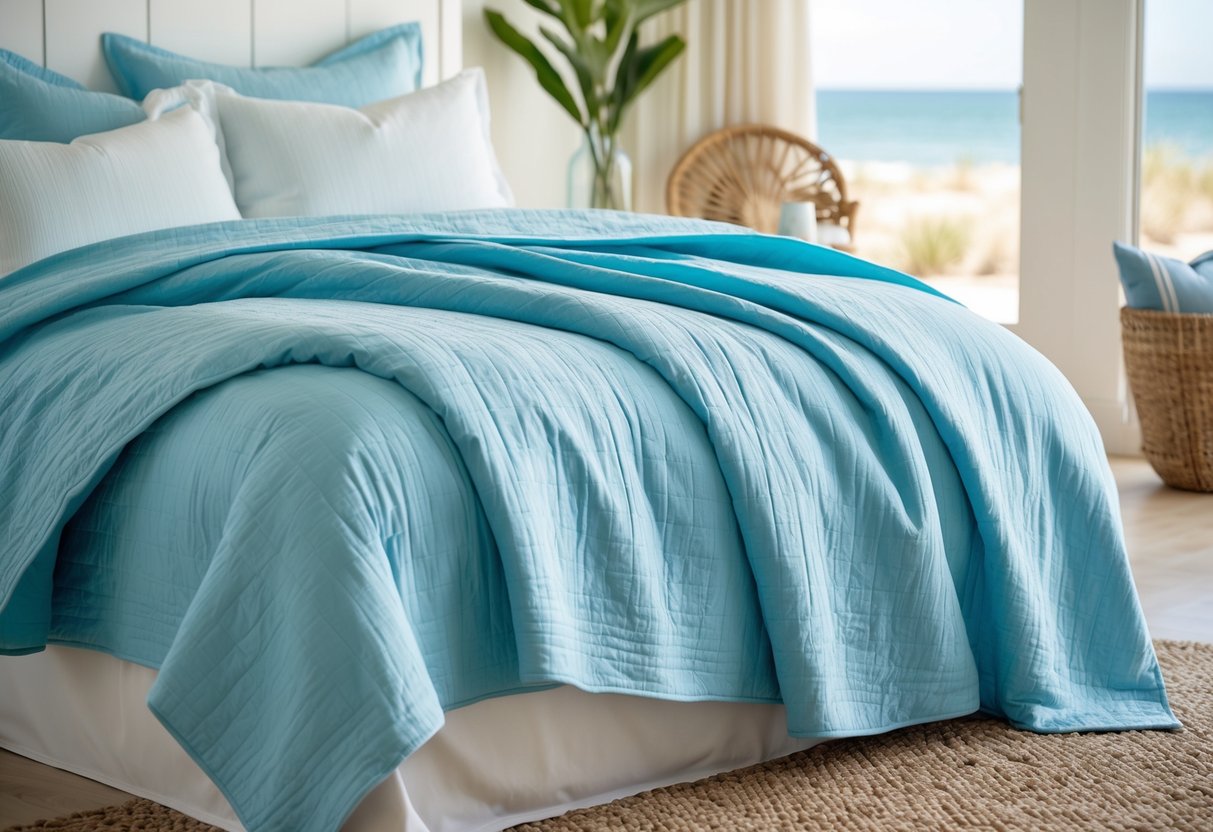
[
  {"x": 201, "y": 96},
  {"x": 150, "y": 175},
  {"x": 425, "y": 151}
]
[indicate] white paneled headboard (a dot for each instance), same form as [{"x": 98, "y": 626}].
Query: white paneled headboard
[{"x": 63, "y": 35}]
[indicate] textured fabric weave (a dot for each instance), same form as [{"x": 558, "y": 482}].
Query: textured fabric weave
[
  {"x": 426, "y": 151},
  {"x": 39, "y": 105},
  {"x": 680, "y": 460},
  {"x": 151, "y": 175}
]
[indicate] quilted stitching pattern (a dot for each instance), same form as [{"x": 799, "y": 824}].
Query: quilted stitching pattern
[{"x": 669, "y": 458}]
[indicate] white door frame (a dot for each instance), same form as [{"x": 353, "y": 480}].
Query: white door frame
[{"x": 1081, "y": 134}]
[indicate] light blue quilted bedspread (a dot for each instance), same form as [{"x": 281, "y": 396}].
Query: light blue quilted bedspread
[{"x": 334, "y": 476}]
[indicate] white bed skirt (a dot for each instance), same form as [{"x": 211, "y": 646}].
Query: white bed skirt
[{"x": 494, "y": 764}]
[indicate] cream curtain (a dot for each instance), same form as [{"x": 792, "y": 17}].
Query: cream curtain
[{"x": 746, "y": 61}]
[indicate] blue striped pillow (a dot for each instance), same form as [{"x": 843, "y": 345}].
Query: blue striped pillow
[{"x": 1152, "y": 281}]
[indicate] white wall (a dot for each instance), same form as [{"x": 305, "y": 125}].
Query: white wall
[{"x": 534, "y": 138}]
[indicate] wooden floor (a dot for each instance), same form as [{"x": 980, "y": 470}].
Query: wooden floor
[{"x": 1170, "y": 537}]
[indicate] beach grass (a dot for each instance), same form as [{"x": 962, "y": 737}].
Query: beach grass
[
  {"x": 1205, "y": 183},
  {"x": 1163, "y": 212},
  {"x": 934, "y": 221},
  {"x": 964, "y": 177},
  {"x": 997, "y": 257},
  {"x": 940, "y": 196},
  {"x": 933, "y": 245},
  {"x": 958, "y": 225},
  {"x": 1176, "y": 194},
  {"x": 1166, "y": 164}
]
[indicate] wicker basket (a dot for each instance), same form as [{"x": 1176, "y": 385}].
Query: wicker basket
[{"x": 1169, "y": 358}]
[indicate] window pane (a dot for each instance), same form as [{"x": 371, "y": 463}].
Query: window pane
[
  {"x": 1177, "y": 133},
  {"x": 919, "y": 102}
]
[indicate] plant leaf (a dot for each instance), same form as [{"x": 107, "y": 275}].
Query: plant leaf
[
  {"x": 624, "y": 78},
  {"x": 652, "y": 61},
  {"x": 617, "y": 19},
  {"x": 569, "y": 14},
  {"x": 548, "y": 77},
  {"x": 581, "y": 67},
  {"x": 638, "y": 69},
  {"x": 544, "y": 6},
  {"x": 583, "y": 13},
  {"x": 596, "y": 55},
  {"x": 647, "y": 8}
]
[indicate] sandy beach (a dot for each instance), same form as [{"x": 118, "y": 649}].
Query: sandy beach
[{"x": 958, "y": 227}]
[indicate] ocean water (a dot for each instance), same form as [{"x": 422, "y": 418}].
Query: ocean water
[{"x": 937, "y": 127}]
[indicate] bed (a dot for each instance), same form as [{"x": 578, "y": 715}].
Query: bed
[{"x": 446, "y": 521}]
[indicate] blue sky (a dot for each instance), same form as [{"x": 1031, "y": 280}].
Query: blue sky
[{"x": 978, "y": 44}]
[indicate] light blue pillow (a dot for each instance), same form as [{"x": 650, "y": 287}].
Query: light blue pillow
[
  {"x": 382, "y": 65},
  {"x": 43, "y": 106},
  {"x": 1165, "y": 284}
]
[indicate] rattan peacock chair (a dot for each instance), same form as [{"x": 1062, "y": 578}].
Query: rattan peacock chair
[{"x": 744, "y": 174}]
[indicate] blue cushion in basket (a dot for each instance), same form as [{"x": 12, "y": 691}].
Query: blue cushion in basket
[{"x": 1152, "y": 281}]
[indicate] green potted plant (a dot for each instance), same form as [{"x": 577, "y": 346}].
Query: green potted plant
[{"x": 598, "y": 39}]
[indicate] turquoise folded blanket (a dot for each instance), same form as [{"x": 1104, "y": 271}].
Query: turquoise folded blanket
[{"x": 334, "y": 476}]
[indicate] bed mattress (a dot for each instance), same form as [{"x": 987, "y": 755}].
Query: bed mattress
[{"x": 493, "y": 764}]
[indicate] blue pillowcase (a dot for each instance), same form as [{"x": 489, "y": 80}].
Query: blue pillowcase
[
  {"x": 383, "y": 65},
  {"x": 37, "y": 104},
  {"x": 43, "y": 106},
  {"x": 1164, "y": 283}
]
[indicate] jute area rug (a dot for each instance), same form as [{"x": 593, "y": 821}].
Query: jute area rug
[{"x": 973, "y": 773}]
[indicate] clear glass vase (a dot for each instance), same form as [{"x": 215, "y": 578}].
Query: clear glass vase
[{"x": 600, "y": 174}]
